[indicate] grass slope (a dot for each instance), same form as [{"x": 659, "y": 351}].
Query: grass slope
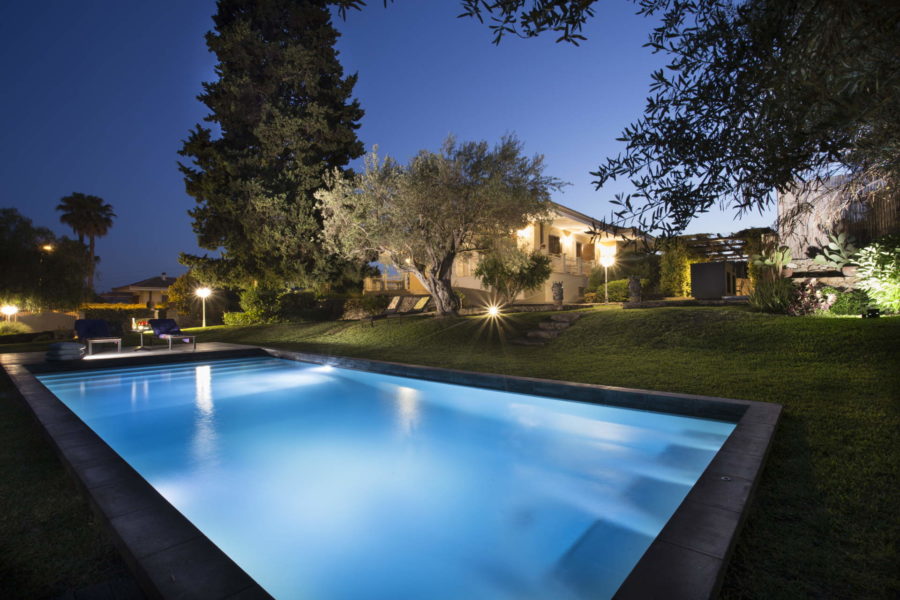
[
  {"x": 49, "y": 541},
  {"x": 824, "y": 523}
]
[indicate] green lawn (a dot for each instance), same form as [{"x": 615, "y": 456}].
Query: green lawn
[
  {"x": 49, "y": 541},
  {"x": 824, "y": 523}
]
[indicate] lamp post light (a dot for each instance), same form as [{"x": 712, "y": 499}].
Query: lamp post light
[
  {"x": 203, "y": 293},
  {"x": 9, "y": 310},
  {"x": 607, "y": 259},
  {"x": 607, "y": 262}
]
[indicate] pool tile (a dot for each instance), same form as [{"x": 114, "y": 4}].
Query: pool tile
[
  {"x": 153, "y": 530},
  {"x": 195, "y": 569}
]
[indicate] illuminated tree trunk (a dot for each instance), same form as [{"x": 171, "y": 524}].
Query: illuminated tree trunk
[{"x": 437, "y": 280}]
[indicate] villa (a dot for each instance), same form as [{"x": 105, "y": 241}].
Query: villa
[{"x": 574, "y": 241}]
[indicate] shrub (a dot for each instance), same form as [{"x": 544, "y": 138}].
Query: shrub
[
  {"x": 628, "y": 263},
  {"x": 772, "y": 294},
  {"x": 618, "y": 291},
  {"x": 808, "y": 299},
  {"x": 13, "y": 327},
  {"x": 853, "y": 302},
  {"x": 118, "y": 316},
  {"x": 879, "y": 271},
  {"x": 675, "y": 268},
  {"x": 510, "y": 273},
  {"x": 362, "y": 306},
  {"x": 295, "y": 305},
  {"x": 260, "y": 305},
  {"x": 237, "y": 319}
]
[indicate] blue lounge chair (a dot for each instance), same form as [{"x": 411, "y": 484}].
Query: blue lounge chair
[
  {"x": 167, "y": 329},
  {"x": 95, "y": 331}
]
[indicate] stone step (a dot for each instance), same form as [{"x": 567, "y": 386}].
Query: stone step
[
  {"x": 546, "y": 334},
  {"x": 566, "y": 317},
  {"x": 553, "y": 324}
]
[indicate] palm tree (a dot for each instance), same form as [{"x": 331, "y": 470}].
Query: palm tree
[{"x": 87, "y": 216}]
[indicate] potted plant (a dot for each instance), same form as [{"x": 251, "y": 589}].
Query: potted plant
[{"x": 839, "y": 254}]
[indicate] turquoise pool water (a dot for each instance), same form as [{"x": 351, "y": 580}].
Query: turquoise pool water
[{"x": 328, "y": 483}]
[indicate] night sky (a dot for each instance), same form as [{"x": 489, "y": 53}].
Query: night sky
[{"x": 97, "y": 97}]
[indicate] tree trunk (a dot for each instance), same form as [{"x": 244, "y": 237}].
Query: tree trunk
[
  {"x": 446, "y": 302},
  {"x": 90, "y": 273}
]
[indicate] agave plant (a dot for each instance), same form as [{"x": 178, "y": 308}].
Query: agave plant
[
  {"x": 839, "y": 253},
  {"x": 779, "y": 259}
]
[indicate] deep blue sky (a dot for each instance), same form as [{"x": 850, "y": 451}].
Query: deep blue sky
[{"x": 98, "y": 95}]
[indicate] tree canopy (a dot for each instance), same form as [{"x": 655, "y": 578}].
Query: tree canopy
[
  {"x": 419, "y": 217},
  {"x": 758, "y": 96},
  {"x": 88, "y": 216},
  {"x": 37, "y": 269},
  {"x": 282, "y": 116}
]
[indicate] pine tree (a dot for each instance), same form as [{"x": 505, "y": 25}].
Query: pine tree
[{"x": 282, "y": 117}]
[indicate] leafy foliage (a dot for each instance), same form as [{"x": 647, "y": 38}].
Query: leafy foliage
[
  {"x": 644, "y": 265},
  {"x": 839, "y": 253},
  {"x": 273, "y": 305},
  {"x": 851, "y": 302},
  {"x": 509, "y": 273},
  {"x": 13, "y": 328},
  {"x": 772, "y": 295},
  {"x": 33, "y": 277},
  {"x": 808, "y": 299},
  {"x": 282, "y": 117},
  {"x": 118, "y": 316},
  {"x": 774, "y": 261},
  {"x": 617, "y": 291},
  {"x": 182, "y": 294},
  {"x": 419, "y": 217},
  {"x": 879, "y": 271},
  {"x": 757, "y": 95},
  {"x": 87, "y": 216},
  {"x": 368, "y": 305},
  {"x": 675, "y": 267}
]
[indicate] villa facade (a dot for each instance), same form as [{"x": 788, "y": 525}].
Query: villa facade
[{"x": 574, "y": 241}]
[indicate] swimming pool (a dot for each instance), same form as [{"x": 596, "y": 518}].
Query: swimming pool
[{"x": 334, "y": 483}]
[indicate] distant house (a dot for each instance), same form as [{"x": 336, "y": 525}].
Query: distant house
[
  {"x": 572, "y": 239},
  {"x": 149, "y": 292}
]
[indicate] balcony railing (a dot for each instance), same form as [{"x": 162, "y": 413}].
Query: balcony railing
[
  {"x": 572, "y": 266},
  {"x": 385, "y": 284}
]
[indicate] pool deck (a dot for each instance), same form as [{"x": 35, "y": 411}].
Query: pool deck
[{"x": 171, "y": 558}]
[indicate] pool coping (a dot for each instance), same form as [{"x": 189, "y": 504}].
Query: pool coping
[{"x": 171, "y": 558}]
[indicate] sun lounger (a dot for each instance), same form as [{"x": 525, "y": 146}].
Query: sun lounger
[
  {"x": 95, "y": 331},
  {"x": 168, "y": 329},
  {"x": 419, "y": 306}
]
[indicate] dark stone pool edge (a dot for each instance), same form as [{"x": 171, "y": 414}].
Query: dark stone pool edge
[
  {"x": 168, "y": 556},
  {"x": 172, "y": 559}
]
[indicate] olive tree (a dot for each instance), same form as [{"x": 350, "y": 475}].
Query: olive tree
[
  {"x": 509, "y": 273},
  {"x": 420, "y": 216}
]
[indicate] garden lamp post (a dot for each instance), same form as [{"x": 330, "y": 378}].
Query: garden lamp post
[
  {"x": 44, "y": 249},
  {"x": 607, "y": 259},
  {"x": 203, "y": 293},
  {"x": 607, "y": 262},
  {"x": 9, "y": 310}
]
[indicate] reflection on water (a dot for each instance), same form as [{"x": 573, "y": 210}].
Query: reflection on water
[
  {"x": 407, "y": 409},
  {"x": 203, "y": 442}
]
